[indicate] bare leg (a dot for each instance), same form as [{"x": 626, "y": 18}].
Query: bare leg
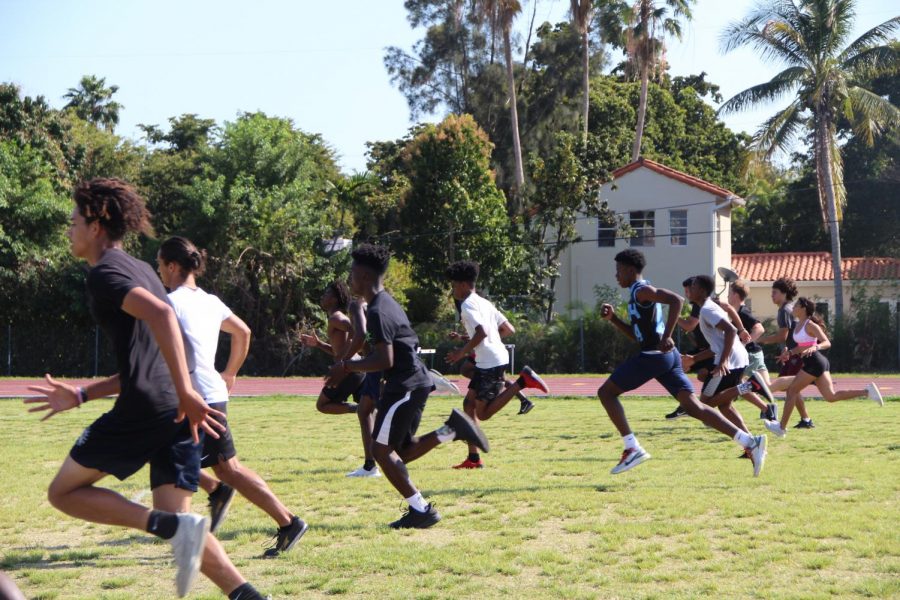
[
  {"x": 469, "y": 407},
  {"x": 394, "y": 469},
  {"x": 252, "y": 487},
  {"x": 705, "y": 414},
  {"x": 609, "y": 394},
  {"x": 328, "y": 406},
  {"x": 730, "y": 412},
  {"x": 826, "y": 386},
  {"x": 486, "y": 410},
  {"x": 800, "y": 381},
  {"x": 366, "y": 414},
  {"x": 781, "y": 385},
  {"x": 72, "y": 492},
  {"x": 208, "y": 483}
]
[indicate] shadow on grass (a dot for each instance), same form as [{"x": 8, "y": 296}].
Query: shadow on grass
[{"x": 479, "y": 492}]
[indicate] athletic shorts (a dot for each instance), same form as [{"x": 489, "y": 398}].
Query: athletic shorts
[
  {"x": 488, "y": 383},
  {"x": 219, "y": 450},
  {"x": 371, "y": 386},
  {"x": 717, "y": 384},
  {"x": 664, "y": 368},
  {"x": 351, "y": 385},
  {"x": 757, "y": 362},
  {"x": 398, "y": 417},
  {"x": 793, "y": 366},
  {"x": 121, "y": 447},
  {"x": 816, "y": 365}
]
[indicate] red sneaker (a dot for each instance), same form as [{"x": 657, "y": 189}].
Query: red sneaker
[
  {"x": 533, "y": 380},
  {"x": 469, "y": 464}
]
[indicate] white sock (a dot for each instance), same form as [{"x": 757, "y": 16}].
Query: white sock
[
  {"x": 744, "y": 440},
  {"x": 417, "y": 502},
  {"x": 445, "y": 434},
  {"x": 630, "y": 442}
]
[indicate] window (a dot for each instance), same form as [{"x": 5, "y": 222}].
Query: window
[
  {"x": 822, "y": 309},
  {"x": 678, "y": 227},
  {"x": 643, "y": 222},
  {"x": 606, "y": 234}
]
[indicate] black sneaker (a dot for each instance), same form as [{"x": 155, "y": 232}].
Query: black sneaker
[
  {"x": 467, "y": 430},
  {"x": 413, "y": 519},
  {"x": 526, "y": 407},
  {"x": 805, "y": 424},
  {"x": 759, "y": 386},
  {"x": 678, "y": 412},
  {"x": 286, "y": 537},
  {"x": 219, "y": 503}
]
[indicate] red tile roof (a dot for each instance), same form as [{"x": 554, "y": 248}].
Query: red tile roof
[
  {"x": 811, "y": 266},
  {"x": 676, "y": 175}
]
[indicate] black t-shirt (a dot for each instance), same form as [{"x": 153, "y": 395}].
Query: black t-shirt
[
  {"x": 146, "y": 387},
  {"x": 386, "y": 322},
  {"x": 699, "y": 339},
  {"x": 748, "y": 321}
]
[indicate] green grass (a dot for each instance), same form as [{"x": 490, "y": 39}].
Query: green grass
[{"x": 545, "y": 519}]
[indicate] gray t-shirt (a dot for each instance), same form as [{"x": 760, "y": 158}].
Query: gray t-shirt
[{"x": 787, "y": 319}]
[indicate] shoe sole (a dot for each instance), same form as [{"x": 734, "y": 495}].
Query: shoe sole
[
  {"x": 355, "y": 476},
  {"x": 758, "y": 465},
  {"x": 184, "y": 578},
  {"x": 424, "y": 526},
  {"x": 643, "y": 458},
  {"x": 480, "y": 439},
  {"x": 678, "y": 416},
  {"x": 214, "y": 525},
  {"x": 878, "y": 398},
  {"x": 539, "y": 383},
  {"x": 294, "y": 541}
]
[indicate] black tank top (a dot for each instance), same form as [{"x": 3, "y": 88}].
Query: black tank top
[{"x": 646, "y": 319}]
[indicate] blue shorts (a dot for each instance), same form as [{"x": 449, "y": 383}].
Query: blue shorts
[
  {"x": 664, "y": 368},
  {"x": 371, "y": 386}
]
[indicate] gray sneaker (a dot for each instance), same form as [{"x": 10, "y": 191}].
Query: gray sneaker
[
  {"x": 187, "y": 547},
  {"x": 630, "y": 459},
  {"x": 874, "y": 394},
  {"x": 775, "y": 427},
  {"x": 758, "y": 453}
]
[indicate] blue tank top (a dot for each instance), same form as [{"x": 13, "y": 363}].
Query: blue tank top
[{"x": 646, "y": 319}]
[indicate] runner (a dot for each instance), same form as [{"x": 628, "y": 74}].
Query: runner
[
  {"x": 201, "y": 317},
  {"x": 406, "y": 388},
  {"x": 810, "y": 339},
  {"x": 370, "y": 390},
  {"x": 658, "y": 360},
  {"x": 737, "y": 294},
  {"x": 154, "y": 395},
  {"x": 487, "y": 392}
]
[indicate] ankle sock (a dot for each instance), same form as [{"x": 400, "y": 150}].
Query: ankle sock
[
  {"x": 162, "y": 524},
  {"x": 445, "y": 434},
  {"x": 417, "y": 502},
  {"x": 630, "y": 441},
  {"x": 744, "y": 440},
  {"x": 369, "y": 465},
  {"x": 474, "y": 456},
  {"x": 245, "y": 591}
]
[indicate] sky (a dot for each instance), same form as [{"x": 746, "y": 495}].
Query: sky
[{"x": 316, "y": 62}]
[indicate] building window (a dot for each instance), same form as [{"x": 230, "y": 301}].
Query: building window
[
  {"x": 822, "y": 310},
  {"x": 678, "y": 227},
  {"x": 643, "y": 222},
  {"x": 606, "y": 234}
]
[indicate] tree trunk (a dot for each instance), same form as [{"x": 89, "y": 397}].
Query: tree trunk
[
  {"x": 585, "y": 79},
  {"x": 642, "y": 111},
  {"x": 513, "y": 114},
  {"x": 826, "y": 195}
]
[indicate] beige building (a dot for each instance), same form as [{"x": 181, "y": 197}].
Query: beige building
[
  {"x": 867, "y": 277},
  {"x": 681, "y": 223}
]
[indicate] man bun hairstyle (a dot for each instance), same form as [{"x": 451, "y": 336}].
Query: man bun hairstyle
[
  {"x": 786, "y": 286},
  {"x": 632, "y": 258},
  {"x": 341, "y": 292},
  {"x": 375, "y": 258},
  {"x": 184, "y": 253},
  {"x": 463, "y": 270},
  {"x": 739, "y": 287},
  {"x": 705, "y": 283},
  {"x": 115, "y": 204}
]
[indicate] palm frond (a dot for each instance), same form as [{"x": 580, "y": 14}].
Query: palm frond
[
  {"x": 778, "y": 131},
  {"x": 872, "y": 114},
  {"x": 773, "y": 89},
  {"x": 874, "y": 61},
  {"x": 774, "y": 38},
  {"x": 880, "y": 34}
]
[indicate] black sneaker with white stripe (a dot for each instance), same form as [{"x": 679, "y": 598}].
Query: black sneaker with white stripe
[{"x": 286, "y": 537}]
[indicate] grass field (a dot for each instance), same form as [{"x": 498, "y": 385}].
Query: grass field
[{"x": 545, "y": 519}]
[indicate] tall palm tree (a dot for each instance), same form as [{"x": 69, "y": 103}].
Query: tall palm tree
[
  {"x": 92, "y": 101},
  {"x": 649, "y": 24},
  {"x": 501, "y": 14},
  {"x": 826, "y": 77},
  {"x": 582, "y": 12}
]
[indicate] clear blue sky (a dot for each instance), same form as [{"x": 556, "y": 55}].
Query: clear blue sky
[{"x": 317, "y": 62}]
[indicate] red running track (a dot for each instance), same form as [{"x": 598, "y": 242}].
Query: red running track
[{"x": 559, "y": 386}]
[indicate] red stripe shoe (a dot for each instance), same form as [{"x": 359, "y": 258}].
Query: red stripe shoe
[{"x": 533, "y": 380}]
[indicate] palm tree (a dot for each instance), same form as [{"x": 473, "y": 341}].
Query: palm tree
[
  {"x": 92, "y": 101},
  {"x": 644, "y": 42},
  {"x": 826, "y": 78},
  {"x": 582, "y": 12}
]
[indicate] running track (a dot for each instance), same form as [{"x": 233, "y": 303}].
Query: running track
[{"x": 559, "y": 386}]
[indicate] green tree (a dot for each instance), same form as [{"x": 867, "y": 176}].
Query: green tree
[
  {"x": 92, "y": 101},
  {"x": 824, "y": 76},
  {"x": 582, "y": 13}
]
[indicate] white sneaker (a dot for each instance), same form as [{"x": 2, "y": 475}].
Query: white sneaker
[
  {"x": 874, "y": 394},
  {"x": 775, "y": 427},
  {"x": 364, "y": 472},
  {"x": 630, "y": 459},
  {"x": 187, "y": 547},
  {"x": 758, "y": 453}
]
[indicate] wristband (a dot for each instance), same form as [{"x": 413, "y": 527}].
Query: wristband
[{"x": 82, "y": 396}]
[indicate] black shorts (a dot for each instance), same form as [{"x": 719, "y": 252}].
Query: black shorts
[
  {"x": 219, "y": 450},
  {"x": 488, "y": 383},
  {"x": 371, "y": 386},
  {"x": 714, "y": 385},
  {"x": 351, "y": 385},
  {"x": 398, "y": 417},
  {"x": 121, "y": 447},
  {"x": 793, "y": 366},
  {"x": 816, "y": 364}
]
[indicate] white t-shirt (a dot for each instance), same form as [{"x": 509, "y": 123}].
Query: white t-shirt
[
  {"x": 710, "y": 316},
  {"x": 476, "y": 311},
  {"x": 200, "y": 316}
]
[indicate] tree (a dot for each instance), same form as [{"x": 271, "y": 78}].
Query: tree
[
  {"x": 92, "y": 101},
  {"x": 582, "y": 13},
  {"x": 825, "y": 78}
]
